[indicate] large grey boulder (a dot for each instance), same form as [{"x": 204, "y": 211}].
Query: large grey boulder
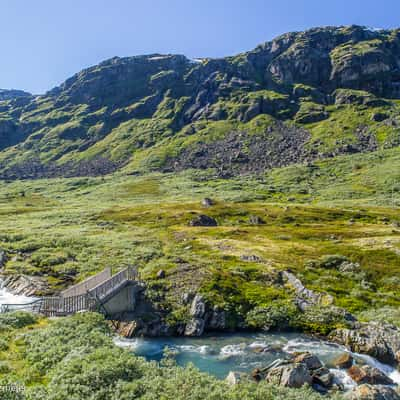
[
  {"x": 293, "y": 375},
  {"x": 23, "y": 285}
]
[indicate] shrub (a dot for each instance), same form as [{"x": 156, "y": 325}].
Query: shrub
[
  {"x": 279, "y": 315},
  {"x": 321, "y": 320},
  {"x": 389, "y": 315},
  {"x": 14, "y": 320}
]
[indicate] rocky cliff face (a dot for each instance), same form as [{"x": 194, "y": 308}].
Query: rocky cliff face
[{"x": 173, "y": 113}]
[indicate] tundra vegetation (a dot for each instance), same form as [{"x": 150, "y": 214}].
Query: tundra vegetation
[{"x": 295, "y": 143}]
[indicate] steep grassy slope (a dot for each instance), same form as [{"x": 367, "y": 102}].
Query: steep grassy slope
[{"x": 304, "y": 96}]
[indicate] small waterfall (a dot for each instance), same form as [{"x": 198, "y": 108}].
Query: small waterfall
[
  {"x": 388, "y": 370},
  {"x": 8, "y": 298}
]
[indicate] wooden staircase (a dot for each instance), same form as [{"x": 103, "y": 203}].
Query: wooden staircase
[{"x": 88, "y": 295}]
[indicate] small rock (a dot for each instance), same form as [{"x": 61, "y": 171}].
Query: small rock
[
  {"x": 256, "y": 220},
  {"x": 203, "y": 220},
  {"x": 368, "y": 392},
  {"x": 257, "y": 374},
  {"x": 161, "y": 274},
  {"x": 344, "y": 361},
  {"x": 206, "y": 202},
  {"x": 250, "y": 258},
  {"x": 234, "y": 378}
]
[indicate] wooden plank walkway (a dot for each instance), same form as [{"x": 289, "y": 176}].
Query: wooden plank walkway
[{"x": 85, "y": 296}]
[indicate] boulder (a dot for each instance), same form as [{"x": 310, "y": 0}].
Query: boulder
[
  {"x": 380, "y": 341},
  {"x": 368, "y": 392},
  {"x": 323, "y": 378},
  {"x": 379, "y": 117},
  {"x": 368, "y": 374},
  {"x": 203, "y": 220},
  {"x": 344, "y": 361},
  {"x": 293, "y": 375},
  {"x": 234, "y": 378},
  {"x": 312, "y": 362},
  {"x": 195, "y": 327},
  {"x": 207, "y": 202}
]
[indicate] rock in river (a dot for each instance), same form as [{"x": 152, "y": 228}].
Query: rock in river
[
  {"x": 293, "y": 375},
  {"x": 344, "y": 361},
  {"x": 369, "y": 392},
  {"x": 368, "y": 374},
  {"x": 377, "y": 340}
]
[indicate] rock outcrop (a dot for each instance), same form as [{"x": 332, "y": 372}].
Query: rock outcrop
[
  {"x": 23, "y": 285},
  {"x": 306, "y": 297},
  {"x": 379, "y": 341}
]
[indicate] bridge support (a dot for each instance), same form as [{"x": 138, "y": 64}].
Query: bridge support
[{"x": 122, "y": 301}]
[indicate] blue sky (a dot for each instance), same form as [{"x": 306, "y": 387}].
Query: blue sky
[{"x": 43, "y": 42}]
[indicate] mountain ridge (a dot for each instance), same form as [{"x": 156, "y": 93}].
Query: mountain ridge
[{"x": 337, "y": 86}]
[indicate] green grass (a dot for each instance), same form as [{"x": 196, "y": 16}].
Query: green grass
[{"x": 68, "y": 229}]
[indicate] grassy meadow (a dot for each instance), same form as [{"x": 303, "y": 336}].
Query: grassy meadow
[{"x": 67, "y": 229}]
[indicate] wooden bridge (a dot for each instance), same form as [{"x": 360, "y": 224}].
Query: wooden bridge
[{"x": 104, "y": 292}]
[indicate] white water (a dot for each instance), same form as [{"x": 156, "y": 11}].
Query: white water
[
  {"x": 8, "y": 298},
  {"x": 220, "y": 354},
  {"x": 389, "y": 371}
]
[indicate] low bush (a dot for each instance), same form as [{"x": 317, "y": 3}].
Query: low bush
[{"x": 18, "y": 319}]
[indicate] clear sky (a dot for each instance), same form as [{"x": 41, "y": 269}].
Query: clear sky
[{"x": 43, "y": 42}]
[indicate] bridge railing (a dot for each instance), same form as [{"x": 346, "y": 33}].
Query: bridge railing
[
  {"x": 87, "y": 284},
  {"x": 128, "y": 274}
]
